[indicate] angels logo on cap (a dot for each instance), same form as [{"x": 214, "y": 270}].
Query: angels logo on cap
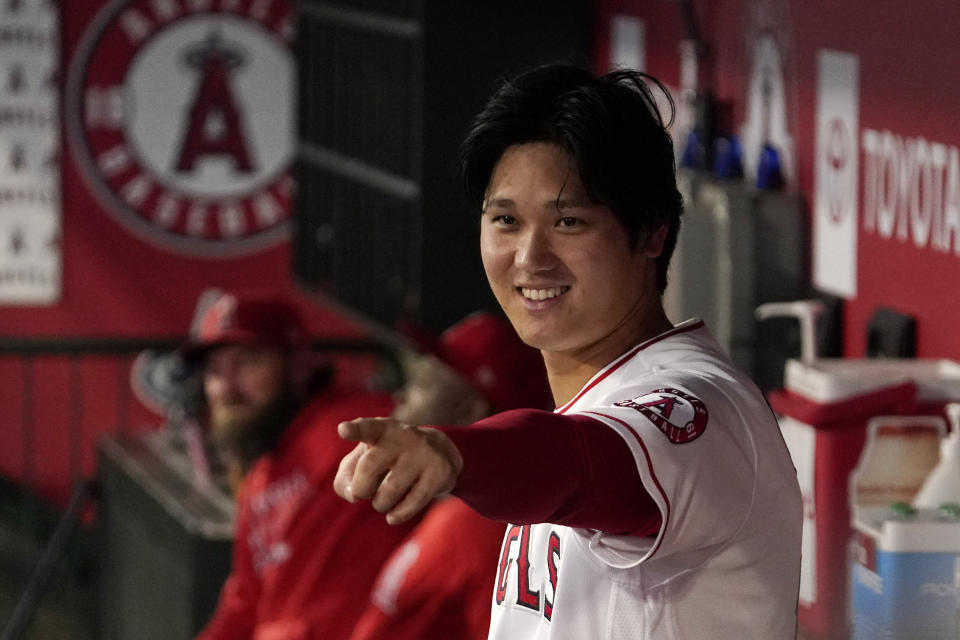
[
  {"x": 248, "y": 317},
  {"x": 680, "y": 416},
  {"x": 181, "y": 114},
  {"x": 218, "y": 318}
]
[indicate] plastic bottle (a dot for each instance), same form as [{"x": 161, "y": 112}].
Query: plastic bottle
[
  {"x": 956, "y": 586},
  {"x": 942, "y": 486}
]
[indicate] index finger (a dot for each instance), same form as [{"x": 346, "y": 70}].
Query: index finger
[{"x": 367, "y": 430}]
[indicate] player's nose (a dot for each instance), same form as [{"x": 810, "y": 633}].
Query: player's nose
[{"x": 534, "y": 251}]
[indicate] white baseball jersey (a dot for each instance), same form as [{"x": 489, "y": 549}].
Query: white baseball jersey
[{"x": 726, "y": 560}]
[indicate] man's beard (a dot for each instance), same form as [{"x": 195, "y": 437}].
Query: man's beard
[{"x": 246, "y": 439}]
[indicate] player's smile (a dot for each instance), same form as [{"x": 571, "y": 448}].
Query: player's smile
[{"x": 536, "y": 298}]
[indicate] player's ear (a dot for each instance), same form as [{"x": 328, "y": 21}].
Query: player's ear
[{"x": 653, "y": 245}]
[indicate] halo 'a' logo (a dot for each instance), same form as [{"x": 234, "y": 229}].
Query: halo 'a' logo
[
  {"x": 180, "y": 113},
  {"x": 219, "y": 317},
  {"x": 680, "y": 416}
]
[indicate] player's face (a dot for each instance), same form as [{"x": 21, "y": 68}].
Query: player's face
[
  {"x": 561, "y": 266},
  {"x": 241, "y": 380}
]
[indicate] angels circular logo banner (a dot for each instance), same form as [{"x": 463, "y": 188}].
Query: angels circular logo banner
[{"x": 180, "y": 113}]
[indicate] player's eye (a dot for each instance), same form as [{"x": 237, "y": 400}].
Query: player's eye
[
  {"x": 504, "y": 220},
  {"x": 569, "y": 222}
]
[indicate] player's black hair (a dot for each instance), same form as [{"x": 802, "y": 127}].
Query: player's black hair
[{"x": 609, "y": 125}]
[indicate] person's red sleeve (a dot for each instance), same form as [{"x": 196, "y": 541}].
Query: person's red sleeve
[
  {"x": 439, "y": 583},
  {"x": 526, "y": 466},
  {"x": 236, "y": 612}
]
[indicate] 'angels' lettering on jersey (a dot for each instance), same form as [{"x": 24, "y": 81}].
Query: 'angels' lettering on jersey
[
  {"x": 272, "y": 509},
  {"x": 536, "y": 571},
  {"x": 680, "y": 416}
]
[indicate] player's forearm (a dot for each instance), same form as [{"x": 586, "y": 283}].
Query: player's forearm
[{"x": 528, "y": 466}]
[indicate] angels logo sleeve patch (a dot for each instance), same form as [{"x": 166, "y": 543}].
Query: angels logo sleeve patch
[{"x": 681, "y": 417}]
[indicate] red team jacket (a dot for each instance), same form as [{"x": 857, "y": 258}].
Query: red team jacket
[
  {"x": 303, "y": 559},
  {"x": 439, "y": 583}
]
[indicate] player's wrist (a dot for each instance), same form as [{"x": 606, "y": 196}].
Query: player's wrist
[{"x": 445, "y": 447}]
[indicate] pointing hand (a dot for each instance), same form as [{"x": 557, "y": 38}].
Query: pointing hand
[{"x": 401, "y": 468}]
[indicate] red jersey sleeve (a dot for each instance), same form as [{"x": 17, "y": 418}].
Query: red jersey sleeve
[
  {"x": 527, "y": 466},
  {"x": 439, "y": 583}
]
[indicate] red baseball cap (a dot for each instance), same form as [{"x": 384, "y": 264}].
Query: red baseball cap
[
  {"x": 247, "y": 318},
  {"x": 485, "y": 350}
]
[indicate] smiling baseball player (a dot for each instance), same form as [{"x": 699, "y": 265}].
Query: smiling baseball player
[{"x": 658, "y": 500}]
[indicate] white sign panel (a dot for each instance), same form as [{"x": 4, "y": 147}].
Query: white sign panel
[
  {"x": 835, "y": 208},
  {"x": 29, "y": 154}
]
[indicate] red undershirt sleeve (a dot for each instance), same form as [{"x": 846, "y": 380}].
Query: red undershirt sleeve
[{"x": 527, "y": 466}]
